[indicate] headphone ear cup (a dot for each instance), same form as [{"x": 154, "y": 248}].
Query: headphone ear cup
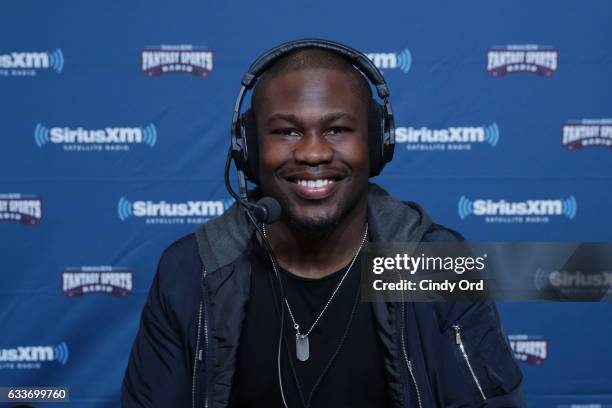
[
  {"x": 375, "y": 137},
  {"x": 251, "y": 169}
]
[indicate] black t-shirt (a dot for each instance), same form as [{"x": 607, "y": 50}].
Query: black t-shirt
[{"x": 354, "y": 378}]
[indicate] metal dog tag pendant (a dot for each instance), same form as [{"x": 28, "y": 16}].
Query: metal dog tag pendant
[{"x": 302, "y": 350}]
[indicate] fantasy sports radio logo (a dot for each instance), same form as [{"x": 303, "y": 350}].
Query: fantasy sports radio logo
[
  {"x": 33, "y": 357},
  {"x": 26, "y": 209},
  {"x": 20, "y": 64},
  {"x": 107, "y": 280},
  {"x": 587, "y": 133},
  {"x": 452, "y": 138},
  {"x": 392, "y": 60},
  {"x": 513, "y": 59},
  {"x": 528, "y": 349},
  {"x": 162, "y": 212},
  {"x": 87, "y": 140},
  {"x": 166, "y": 59},
  {"x": 508, "y": 212}
]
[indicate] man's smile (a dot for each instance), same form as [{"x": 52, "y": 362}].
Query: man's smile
[{"x": 314, "y": 185}]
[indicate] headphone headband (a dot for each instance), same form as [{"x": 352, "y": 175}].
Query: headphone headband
[{"x": 355, "y": 57}]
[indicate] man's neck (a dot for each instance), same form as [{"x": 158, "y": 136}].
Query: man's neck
[{"x": 316, "y": 257}]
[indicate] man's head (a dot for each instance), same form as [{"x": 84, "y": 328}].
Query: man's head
[{"x": 311, "y": 113}]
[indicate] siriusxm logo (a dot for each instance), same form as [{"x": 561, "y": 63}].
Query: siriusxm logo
[
  {"x": 107, "y": 139},
  {"x": 528, "y": 349},
  {"x": 156, "y": 61},
  {"x": 28, "y": 63},
  {"x": 530, "y": 211},
  {"x": 34, "y": 355},
  {"x": 162, "y": 212},
  {"x": 104, "y": 279},
  {"x": 587, "y": 133},
  {"x": 575, "y": 284},
  {"x": 511, "y": 59},
  {"x": 392, "y": 60},
  {"x": 452, "y": 138},
  {"x": 25, "y": 209}
]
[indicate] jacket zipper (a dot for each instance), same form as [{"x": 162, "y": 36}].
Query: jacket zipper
[
  {"x": 198, "y": 354},
  {"x": 409, "y": 362},
  {"x": 459, "y": 342},
  {"x": 196, "y": 358}
]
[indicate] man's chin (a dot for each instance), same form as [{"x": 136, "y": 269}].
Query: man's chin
[
  {"x": 314, "y": 227},
  {"x": 315, "y": 224}
]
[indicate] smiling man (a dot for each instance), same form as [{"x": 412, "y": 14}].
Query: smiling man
[{"x": 209, "y": 333}]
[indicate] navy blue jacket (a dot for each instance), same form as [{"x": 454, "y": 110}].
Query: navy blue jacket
[{"x": 185, "y": 352}]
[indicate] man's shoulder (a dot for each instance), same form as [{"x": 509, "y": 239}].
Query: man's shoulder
[
  {"x": 184, "y": 249},
  {"x": 180, "y": 263}
]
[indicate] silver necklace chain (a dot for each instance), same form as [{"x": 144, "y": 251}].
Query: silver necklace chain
[{"x": 296, "y": 326}]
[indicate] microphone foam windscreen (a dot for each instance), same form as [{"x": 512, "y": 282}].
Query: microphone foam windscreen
[{"x": 273, "y": 209}]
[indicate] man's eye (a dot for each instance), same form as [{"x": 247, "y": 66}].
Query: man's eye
[
  {"x": 288, "y": 132},
  {"x": 337, "y": 130}
]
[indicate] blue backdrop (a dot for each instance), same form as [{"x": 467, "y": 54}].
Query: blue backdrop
[{"x": 113, "y": 111}]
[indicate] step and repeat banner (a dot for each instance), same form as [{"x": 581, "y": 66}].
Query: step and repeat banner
[{"x": 115, "y": 123}]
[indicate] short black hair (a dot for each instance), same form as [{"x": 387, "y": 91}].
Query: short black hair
[{"x": 312, "y": 58}]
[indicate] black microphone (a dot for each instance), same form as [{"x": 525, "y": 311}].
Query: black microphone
[{"x": 267, "y": 210}]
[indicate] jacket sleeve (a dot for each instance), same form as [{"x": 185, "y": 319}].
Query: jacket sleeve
[
  {"x": 478, "y": 367},
  {"x": 481, "y": 371},
  {"x": 158, "y": 374}
]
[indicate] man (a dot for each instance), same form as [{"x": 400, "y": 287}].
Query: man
[{"x": 210, "y": 329}]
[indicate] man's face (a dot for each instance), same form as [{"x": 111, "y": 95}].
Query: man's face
[{"x": 312, "y": 127}]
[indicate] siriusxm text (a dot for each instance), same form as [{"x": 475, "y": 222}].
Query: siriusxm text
[
  {"x": 449, "y": 135},
  {"x": 106, "y": 135},
  {"x": 25, "y": 60},
  {"x": 35, "y": 353},
  {"x": 529, "y": 207},
  {"x": 189, "y": 208}
]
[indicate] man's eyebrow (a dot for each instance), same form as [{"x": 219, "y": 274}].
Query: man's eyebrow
[
  {"x": 330, "y": 117},
  {"x": 287, "y": 117}
]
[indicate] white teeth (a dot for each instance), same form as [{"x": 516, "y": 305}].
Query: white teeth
[{"x": 314, "y": 183}]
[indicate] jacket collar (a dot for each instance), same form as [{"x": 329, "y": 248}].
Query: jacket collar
[{"x": 222, "y": 240}]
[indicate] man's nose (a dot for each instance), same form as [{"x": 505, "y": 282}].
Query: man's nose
[{"x": 313, "y": 149}]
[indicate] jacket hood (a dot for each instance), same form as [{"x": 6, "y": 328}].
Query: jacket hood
[{"x": 223, "y": 239}]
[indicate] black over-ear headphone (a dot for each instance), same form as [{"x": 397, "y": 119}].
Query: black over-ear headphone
[{"x": 381, "y": 126}]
